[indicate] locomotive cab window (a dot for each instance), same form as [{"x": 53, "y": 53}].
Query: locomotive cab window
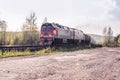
[{"x": 46, "y": 27}]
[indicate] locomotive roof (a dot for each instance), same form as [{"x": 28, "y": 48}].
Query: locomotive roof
[{"x": 61, "y": 26}]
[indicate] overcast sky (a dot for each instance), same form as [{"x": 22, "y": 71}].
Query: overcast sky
[{"x": 91, "y": 16}]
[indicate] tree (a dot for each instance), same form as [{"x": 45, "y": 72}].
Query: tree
[
  {"x": 45, "y": 20},
  {"x": 118, "y": 40},
  {"x": 30, "y": 30},
  {"x": 3, "y": 26},
  {"x": 31, "y": 24},
  {"x": 110, "y": 35},
  {"x": 108, "y": 38},
  {"x": 104, "y": 35}
]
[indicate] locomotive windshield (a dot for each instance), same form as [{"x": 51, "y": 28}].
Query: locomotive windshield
[{"x": 46, "y": 27}]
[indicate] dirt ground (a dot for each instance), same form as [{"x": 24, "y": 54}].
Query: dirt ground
[{"x": 94, "y": 64}]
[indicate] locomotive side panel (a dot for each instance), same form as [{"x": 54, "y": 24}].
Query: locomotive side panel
[
  {"x": 92, "y": 41},
  {"x": 63, "y": 33},
  {"x": 81, "y": 35}
]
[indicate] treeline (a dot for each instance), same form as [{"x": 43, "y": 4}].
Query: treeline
[
  {"x": 29, "y": 34},
  {"x": 108, "y": 38},
  {"x": 19, "y": 38},
  {"x": 117, "y": 39}
]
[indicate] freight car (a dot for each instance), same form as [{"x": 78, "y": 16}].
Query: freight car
[{"x": 53, "y": 33}]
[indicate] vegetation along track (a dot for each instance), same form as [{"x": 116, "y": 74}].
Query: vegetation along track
[{"x": 21, "y": 48}]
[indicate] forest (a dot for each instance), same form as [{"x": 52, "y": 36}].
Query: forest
[{"x": 29, "y": 34}]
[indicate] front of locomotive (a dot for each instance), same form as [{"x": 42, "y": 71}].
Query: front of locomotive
[{"x": 48, "y": 32}]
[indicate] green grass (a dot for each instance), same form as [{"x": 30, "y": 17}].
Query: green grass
[
  {"x": 14, "y": 53},
  {"x": 27, "y": 52},
  {"x": 46, "y": 51}
]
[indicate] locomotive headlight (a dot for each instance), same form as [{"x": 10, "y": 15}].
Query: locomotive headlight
[
  {"x": 41, "y": 35},
  {"x": 54, "y": 32}
]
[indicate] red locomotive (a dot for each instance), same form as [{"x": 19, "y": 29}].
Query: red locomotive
[{"x": 53, "y": 33}]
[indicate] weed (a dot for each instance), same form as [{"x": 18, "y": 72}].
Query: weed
[{"x": 48, "y": 50}]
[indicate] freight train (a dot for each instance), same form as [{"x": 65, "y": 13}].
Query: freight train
[{"x": 54, "y": 33}]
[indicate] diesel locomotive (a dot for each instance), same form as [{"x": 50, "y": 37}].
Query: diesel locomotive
[{"x": 54, "y": 33}]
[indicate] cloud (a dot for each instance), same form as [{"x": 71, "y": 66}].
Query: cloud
[
  {"x": 115, "y": 13},
  {"x": 94, "y": 9},
  {"x": 97, "y": 13}
]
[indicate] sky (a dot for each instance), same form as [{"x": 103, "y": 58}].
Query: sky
[{"x": 90, "y": 16}]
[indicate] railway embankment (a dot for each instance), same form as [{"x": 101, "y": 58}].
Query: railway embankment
[{"x": 43, "y": 50}]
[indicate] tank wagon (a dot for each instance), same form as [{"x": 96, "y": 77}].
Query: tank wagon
[{"x": 54, "y": 33}]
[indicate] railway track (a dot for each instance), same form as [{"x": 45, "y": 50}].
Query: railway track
[
  {"x": 37, "y": 47},
  {"x": 33, "y": 48},
  {"x": 21, "y": 47}
]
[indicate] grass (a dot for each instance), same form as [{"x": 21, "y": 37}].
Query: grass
[{"x": 27, "y": 52}]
